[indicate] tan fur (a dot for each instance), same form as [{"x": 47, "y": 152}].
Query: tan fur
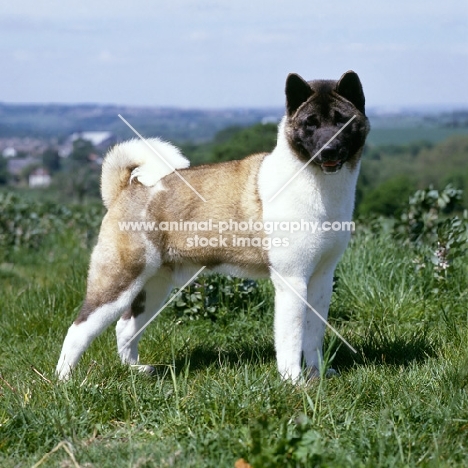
[
  {"x": 231, "y": 193},
  {"x": 119, "y": 257},
  {"x": 175, "y": 201}
]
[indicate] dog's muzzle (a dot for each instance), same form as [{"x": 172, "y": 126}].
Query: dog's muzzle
[{"x": 329, "y": 160}]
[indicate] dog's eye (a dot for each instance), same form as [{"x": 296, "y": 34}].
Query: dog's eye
[
  {"x": 340, "y": 118},
  {"x": 312, "y": 121}
]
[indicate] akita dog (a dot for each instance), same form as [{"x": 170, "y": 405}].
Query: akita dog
[{"x": 309, "y": 177}]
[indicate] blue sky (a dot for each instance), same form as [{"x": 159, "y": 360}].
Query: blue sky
[{"x": 211, "y": 54}]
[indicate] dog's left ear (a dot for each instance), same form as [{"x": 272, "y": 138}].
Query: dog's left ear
[{"x": 349, "y": 86}]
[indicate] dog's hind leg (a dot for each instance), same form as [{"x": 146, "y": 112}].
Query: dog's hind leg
[
  {"x": 92, "y": 320},
  {"x": 115, "y": 279},
  {"x": 130, "y": 327}
]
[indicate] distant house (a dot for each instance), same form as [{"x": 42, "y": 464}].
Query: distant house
[
  {"x": 9, "y": 152},
  {"x": 39, "y": 178},
  {"x": 100, "y": 140}
]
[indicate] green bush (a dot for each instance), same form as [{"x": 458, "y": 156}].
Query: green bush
[
  {"x": 387, "y": 199},
  {"x": 212, "y": 297},
  {"x": 257, "y": 139},
  {"x": 26, "y": 224}
]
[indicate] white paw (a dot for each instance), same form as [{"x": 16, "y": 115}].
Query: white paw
[
  {"x": 63, "y": 372},
  {"x": 291, "y": 374},
  {"x": 144, "y": 369}
]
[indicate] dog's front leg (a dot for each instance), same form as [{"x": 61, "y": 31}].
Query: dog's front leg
[
  {"x": 289, "y": 320},
  {"x": 319, "y": 293}
]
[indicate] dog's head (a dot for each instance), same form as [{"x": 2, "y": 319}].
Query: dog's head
[{"x": 326, "y": 120}]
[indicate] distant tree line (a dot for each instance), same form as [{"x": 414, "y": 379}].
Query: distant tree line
[{"x": 389, "y": 174}]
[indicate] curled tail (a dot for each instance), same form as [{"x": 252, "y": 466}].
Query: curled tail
[{"x": 148, "y": 161}]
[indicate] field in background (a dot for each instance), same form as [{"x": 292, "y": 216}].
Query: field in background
[
  {"x": 216, "y": 397},
  {"x": 425, "y": 146},
  {"x": 402, "y": 136}
]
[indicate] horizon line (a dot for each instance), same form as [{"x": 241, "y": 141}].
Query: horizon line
[{"x": 377, "y": 108}]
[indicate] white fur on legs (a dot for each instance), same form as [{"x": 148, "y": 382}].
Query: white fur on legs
[
  {"x": 80, "y": 335},
  {"x": 289, "y": 319},
  {"x": 157, "y": 290},
  {"x": 319, "y": 293},
  {"x": 125, "y": 329}
]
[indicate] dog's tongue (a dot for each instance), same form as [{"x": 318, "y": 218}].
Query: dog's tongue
[{"x": 331, "y": 163}]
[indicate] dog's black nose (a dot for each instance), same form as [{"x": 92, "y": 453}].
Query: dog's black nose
[{"x": 329, "y": 154}]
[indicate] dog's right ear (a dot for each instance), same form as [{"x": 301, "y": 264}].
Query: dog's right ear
[{"x": 297, "y": 92}]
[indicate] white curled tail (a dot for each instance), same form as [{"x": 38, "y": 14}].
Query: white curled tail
[{"x": 147, "y": 161}]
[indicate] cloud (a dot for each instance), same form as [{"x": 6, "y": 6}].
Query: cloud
[
  {"x": 205, "y": 47},
  {"x": 21, "y": 55},
  {"x": 199, "y": 36},
  {"x": 105, "y": 56},
  {"x": 267, "y": 38}
]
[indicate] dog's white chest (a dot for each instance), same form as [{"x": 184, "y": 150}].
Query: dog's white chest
[{"x": 309, "y": 209}]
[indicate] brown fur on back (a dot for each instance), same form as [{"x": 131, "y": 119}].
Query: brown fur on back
[{"x": 177, "y": 201}]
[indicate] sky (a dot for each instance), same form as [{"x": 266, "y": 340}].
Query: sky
[{"x": 236, "y": 53}]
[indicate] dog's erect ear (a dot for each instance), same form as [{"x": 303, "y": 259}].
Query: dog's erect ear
[
  {"x": 349, "y": 86},
  {"x": 297, "y": 92}
]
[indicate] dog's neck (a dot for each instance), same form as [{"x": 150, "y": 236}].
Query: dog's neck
[{"x": 333, "y": 193}]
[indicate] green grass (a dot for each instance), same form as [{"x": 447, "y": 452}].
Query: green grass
[
  {"x": 216, "y": 396},
  {"x": 404, "y": 135}
]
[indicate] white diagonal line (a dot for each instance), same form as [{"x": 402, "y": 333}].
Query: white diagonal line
[
  {"x": 311, "y": 159},
  {"x": 159, "y": 155},
  {"x": 315, "y": 312},
  {"x": 127, "y": 344}
]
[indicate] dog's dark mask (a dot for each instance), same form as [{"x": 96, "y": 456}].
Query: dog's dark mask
[{"x": 317, "y": 111}]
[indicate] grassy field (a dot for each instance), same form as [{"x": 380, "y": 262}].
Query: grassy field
[
  {"x": 404, "y": 135},
  {"x": 216, "y": 397}
]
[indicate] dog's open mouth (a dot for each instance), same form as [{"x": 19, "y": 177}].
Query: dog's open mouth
[{"x": 331, "y": 167}]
